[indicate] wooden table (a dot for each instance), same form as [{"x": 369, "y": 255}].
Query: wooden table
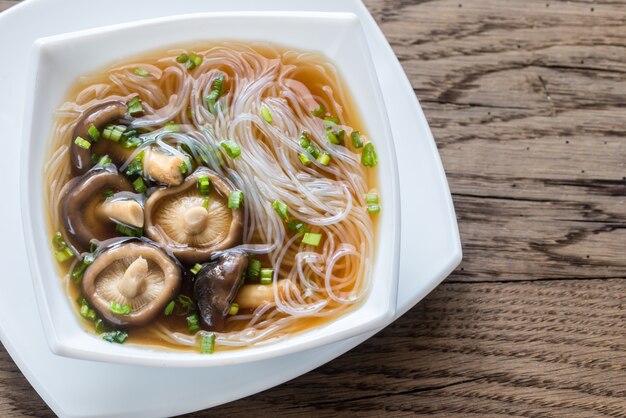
[{"x": 527, "y": 102}]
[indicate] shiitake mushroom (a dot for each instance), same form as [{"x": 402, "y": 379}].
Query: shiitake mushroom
[
  {"x": 216, "y": 286},
  {"x": 191, "y": 225}
]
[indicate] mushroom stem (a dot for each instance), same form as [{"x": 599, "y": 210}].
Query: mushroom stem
[
  {"x": 134, "y": 277},
  {"x": 128, "y": 212},
  {"x": 195, "y": 220},
  {"x": 163, "y": 168},
  {"x": 251, "y": 296}
]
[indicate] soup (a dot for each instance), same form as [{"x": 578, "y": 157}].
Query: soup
[{"x": 213, "y": 197}]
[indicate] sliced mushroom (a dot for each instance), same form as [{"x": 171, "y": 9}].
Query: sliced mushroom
[
  {"x": 163, "y": 168},
  {"x": 88, "y": 214},
  {"x": 251, "y": 296},
  {"x": 136, "y": 275},
  {"x": 177, "y": 218},
  {"x": 216, "y": 286},
  {"x": 125, "y": 211},
  {"x": 99, "y": 116}
]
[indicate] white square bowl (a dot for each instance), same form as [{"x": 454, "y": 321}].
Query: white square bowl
[{"x": 58, "y": 61}]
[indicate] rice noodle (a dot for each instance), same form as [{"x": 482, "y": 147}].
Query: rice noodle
[{"x": 321, "y": 282}]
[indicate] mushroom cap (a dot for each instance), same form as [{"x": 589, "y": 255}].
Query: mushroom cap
[
  {"x": 99, "y": 116},
  {"x": 177, "y": 219},
  {"x": 79, "y": 208},
  {"x": 216, "y": 286},
  {"x": 138, "y": 274}
]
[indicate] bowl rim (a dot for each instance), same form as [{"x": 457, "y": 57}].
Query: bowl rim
[{"x": 69, "y": 348}]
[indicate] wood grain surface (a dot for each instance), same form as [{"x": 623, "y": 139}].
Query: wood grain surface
[{"x": 527, "y": 102}]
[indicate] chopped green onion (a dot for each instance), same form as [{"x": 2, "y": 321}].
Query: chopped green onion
[
  {"x": 100, "y": 326},
  {"x": 218, "y": 83},
  {"x": 340, "y": 134},
  {"x": 87, "y": 313},
  {"x": 117, "y": 337},
  {"x": 205, "y": 203},
  {"x": 235, "y": 199},
  {"x": 311, "y": 238},
  {"x": 169, "y": 308},
  {"x": 78, "y": 272},
  {"x": 304, "y": 159},
  {"x": 107, "y": 193},
  {"x": 118, "y": 309},
  {"x": 139, "y": 185},
  {"x": 332, "y": 138},
  {"x": 85, "y": 310},
  {"x": 196, "y": 268},
  {"x": 265, "y": 112},
  {"x": 371, "y": 198},
  {"x": 324, "y": 159},
  {"x": 64, "y": 254},
  {"x": 231, "y": 147},
  {"x": 172, "y": 127},
  {"x": 192, "y": 61},
  {"x": 182, "y": 58},
  {"x": 131, "y": 142},
  {"x": 313, "y": 150},
  {"x": 83, "y": 143},
  {"x": 298, "y": 226},
  {"x": 369, "y": 157},
  {"x": 128, "y": 231},
  {"x": 373, "y": 208},
  {"x": 93, "y": 133},
  {"x": 333, "y": 119},
  {"x": 57, "y": 241},
  {"x": 254, "y": 269},
  {"x": 113, "y": 132},
  {"x": 141, "y": 71},
  {"x": 129, "y": 133},
  {"x": 117, "y": 133},
  {"x": 207, "y": 343},
  {"x": 182, "y": 167},
  {"x": 281, "y": 209},
  {"x": 203, "y": 185},
  {"x": 104, "y": 161},
  {"x": 266, "y": 276},
  {"x": 304, "y": 140},
  {"x": 211, "y": 100},
  {"x": 193, "y": 323},
  {"x": 234, "y": 309},
  {"x": 320, "y": 111},
  {"x": 136, "y": 165},
  {"x": 356, "y": 139},
  {"x": 197, "y": 59},
  {"x": 134, "y": 106}
]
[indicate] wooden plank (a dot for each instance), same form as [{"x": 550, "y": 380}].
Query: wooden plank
[
  {"x": 5, "y": 4},
  {"x": 526, "y": 102}
]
